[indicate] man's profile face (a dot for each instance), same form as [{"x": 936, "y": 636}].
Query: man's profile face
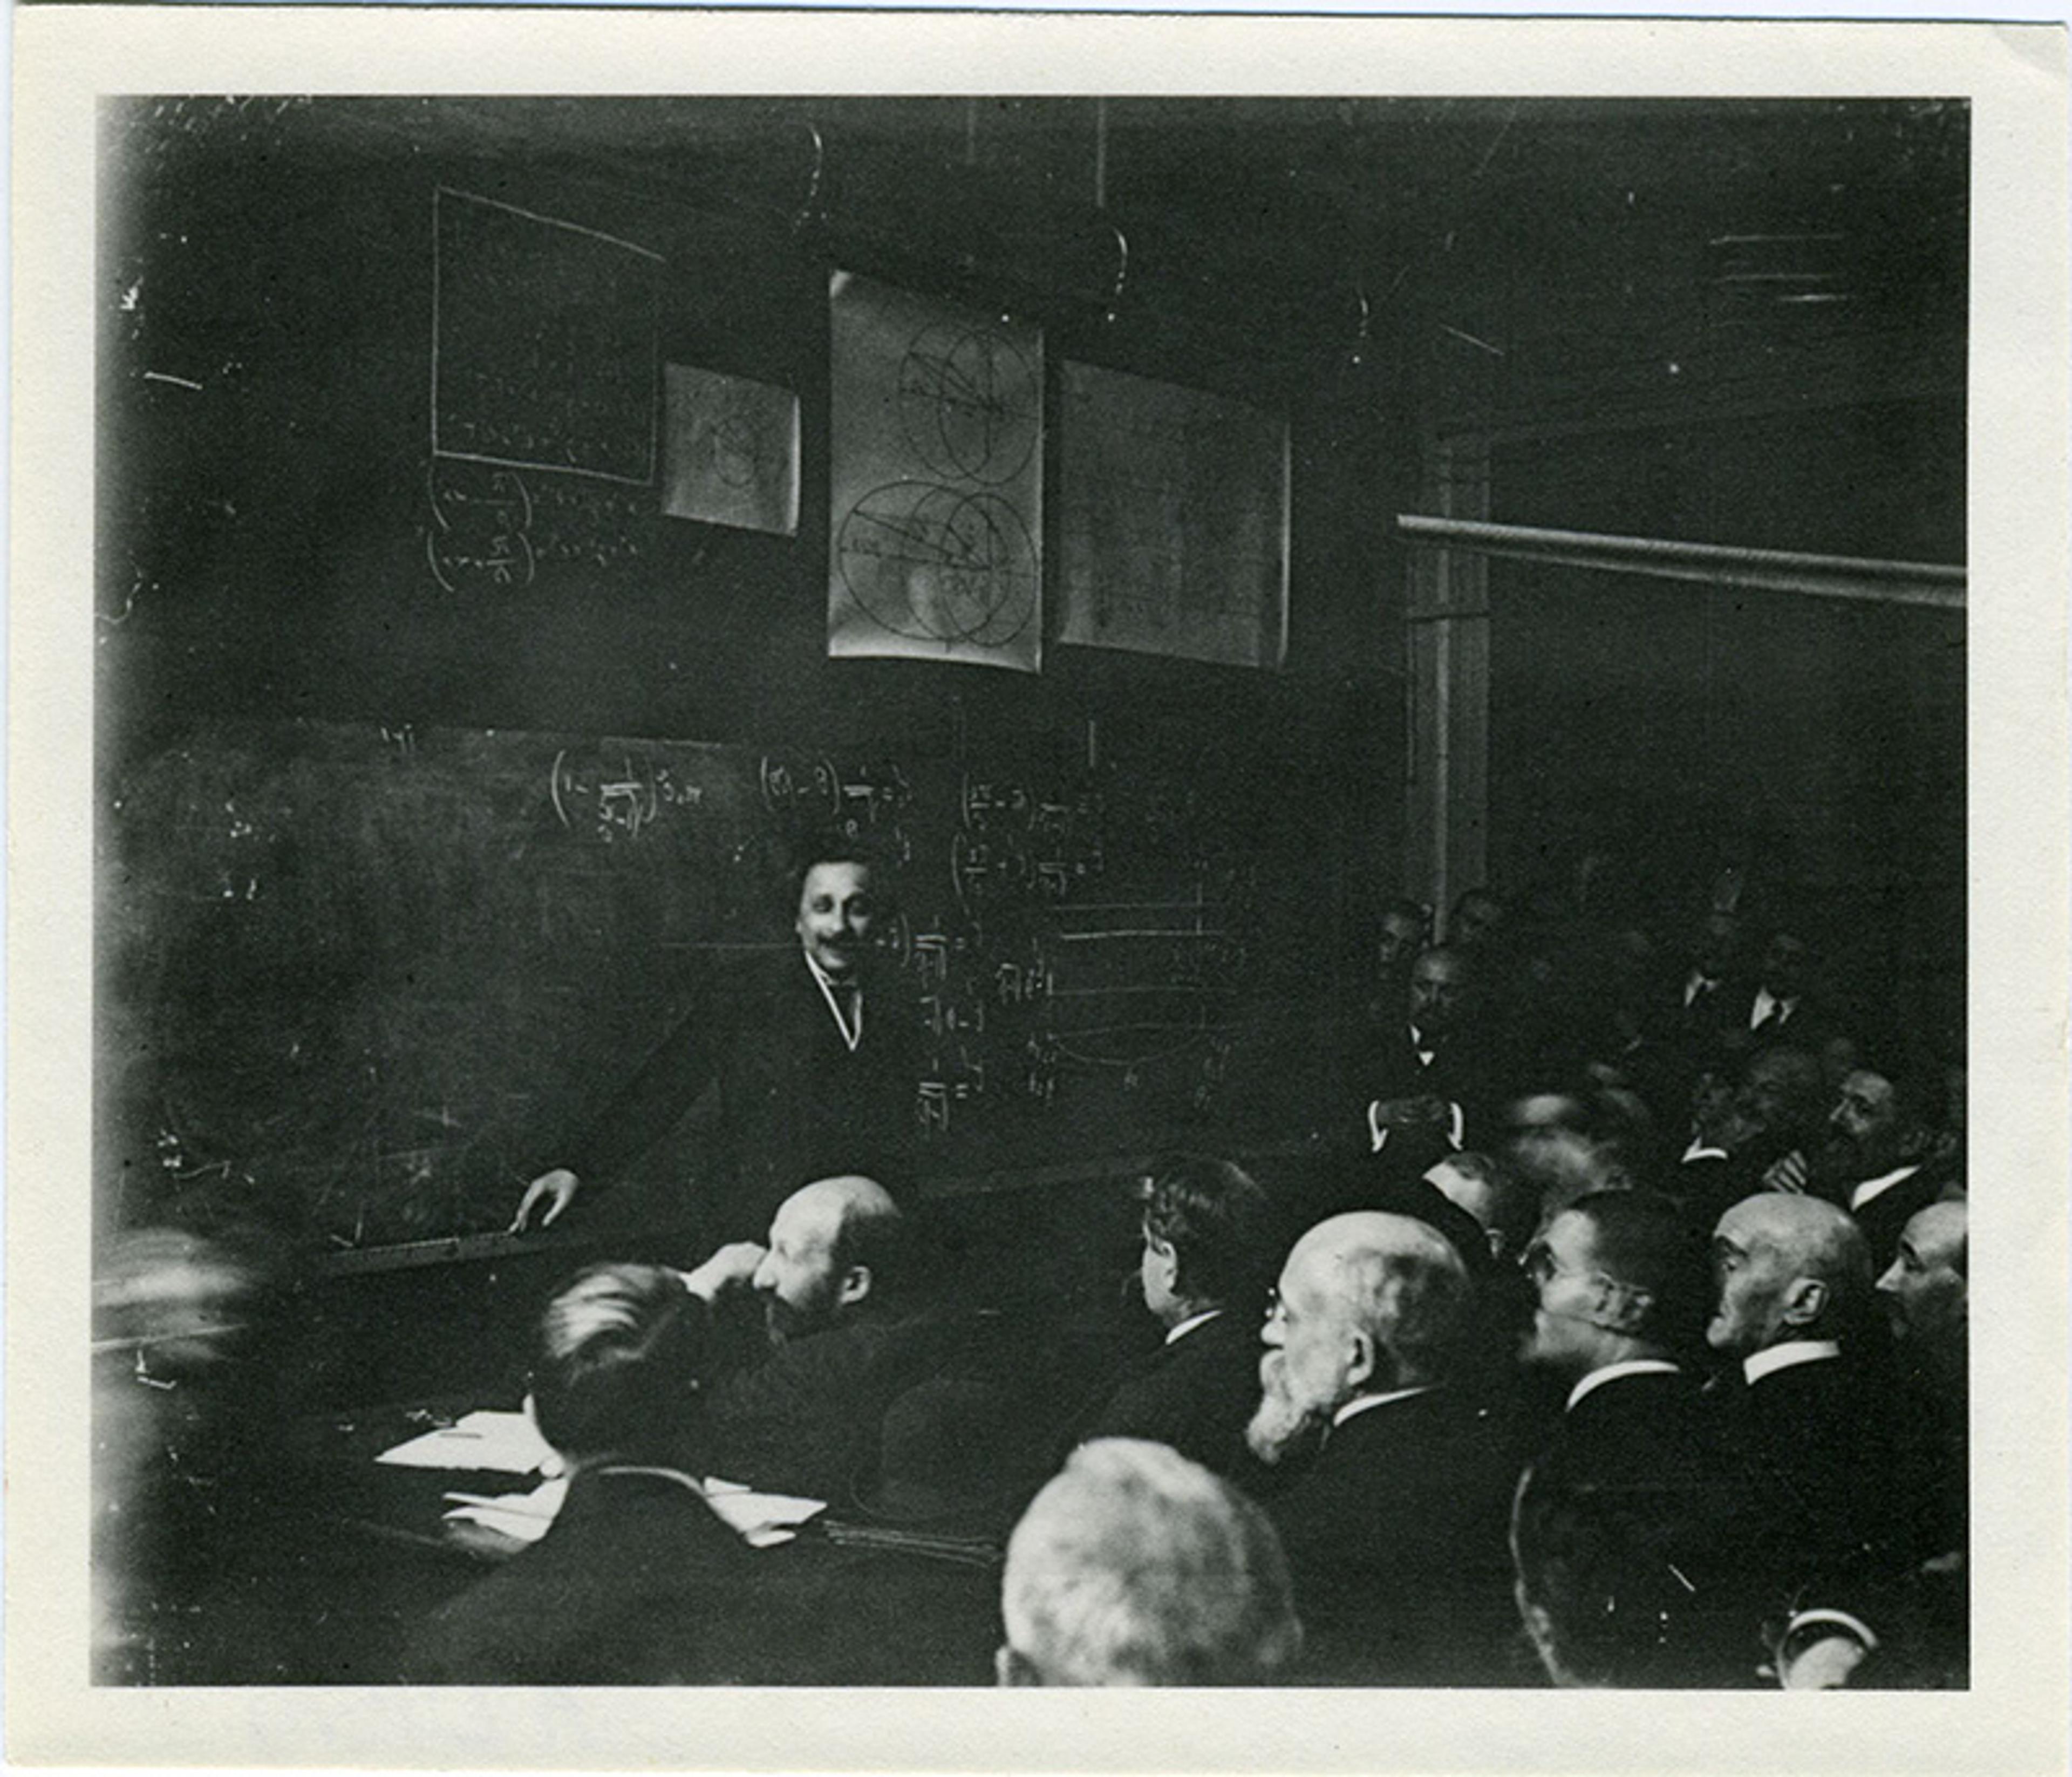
[
  {"x": 1751, "y": 1272},
  {"x": 835, "y": 914},
  {"x": 797, "y": 1279},
  {"x": 1866, "y": 1121},
  {"x": 1922, "y": 1288},
  {"x": 1159, "y": 1272},
  {"x": 1569, "y": 1289},
  {"x": 1304, "y": 1376},
  {"x": 1438, "y": 991}
]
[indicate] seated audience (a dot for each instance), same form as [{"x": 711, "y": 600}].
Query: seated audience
[
  {"x": 1135, "y": 1566},
  {"x": 637, "y": 1580},
  {"x": 1394, "y": 1516},
  {"x": 846, "y": 1335},
  {"x": 1210, "y": 1245},
  {"x": 1624, "y": 1527}
]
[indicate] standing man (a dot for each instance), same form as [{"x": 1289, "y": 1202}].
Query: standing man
[
  {"x": 812, "y": 1054},
  {"x": 1427, "y": 1081}
]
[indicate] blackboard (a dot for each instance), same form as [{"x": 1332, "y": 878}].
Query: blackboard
[{"x": 370, "y": 979}]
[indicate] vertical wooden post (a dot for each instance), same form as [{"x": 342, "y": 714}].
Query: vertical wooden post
[{"x": 1446, "y": 621}]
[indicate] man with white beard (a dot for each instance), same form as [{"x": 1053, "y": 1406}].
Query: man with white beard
[{"x": 1395, "y": 1523}]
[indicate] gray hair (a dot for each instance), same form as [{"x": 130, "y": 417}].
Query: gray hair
[{"x": 1135, "y": 1566}]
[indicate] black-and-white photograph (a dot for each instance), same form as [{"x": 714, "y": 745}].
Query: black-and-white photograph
[{"x": 995, "y": 889}]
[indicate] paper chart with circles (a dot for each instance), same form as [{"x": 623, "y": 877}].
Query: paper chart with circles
[{"x": 934, "y": 548}]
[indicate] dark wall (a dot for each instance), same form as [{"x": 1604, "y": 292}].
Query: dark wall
[{"x": 267, "y": 486}]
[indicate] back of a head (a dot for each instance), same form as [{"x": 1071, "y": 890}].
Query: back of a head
[
  {"x": 870, "y": 1230},
  {"x": 622, "y": 1348},
  {"x": 1220, "y": 1223},
  {"x": 1135, "y": 1566},
  {"x": 1404, "y": 1284},
  {"x": 1644, "y": 1240}
]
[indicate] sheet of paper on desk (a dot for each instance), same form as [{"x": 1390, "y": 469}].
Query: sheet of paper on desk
[
  {"x": 506, "y": 1441},
  {"x": 760, "y": 1520},
  {"x": 522, "y": 1517}
]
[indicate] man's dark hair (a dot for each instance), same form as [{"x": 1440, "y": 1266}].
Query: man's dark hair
[
  {"x": 833, "y": 847},
  {"x": 622, "y": 1349},
  {"x": 1644, "y": 1240},
  {"x": 1920, "y": 1099},
  {"x": 1219, "y": 1223}
]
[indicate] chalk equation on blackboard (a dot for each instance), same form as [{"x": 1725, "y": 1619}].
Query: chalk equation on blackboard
[
  {"x": 623, "y": 805},
  {"x": 544, "y": 342},
  {"x": 480, "y": 533}
]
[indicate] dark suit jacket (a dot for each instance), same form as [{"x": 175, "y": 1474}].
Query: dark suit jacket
[
  {"x": 1641, "y": 1460},
  {"x": 808, "y": 1416},
  {"x": 636, "y": 1582},
  {"x": 1395, "y": 1538},
  {"x": 1457, "y": 1074},
  {"x": 1836, "y": 1492},
  {"x": 796, "y": 1103},
  {"x": 1883, "y": 1219},
  {"x": 1197, "y": 1394}
]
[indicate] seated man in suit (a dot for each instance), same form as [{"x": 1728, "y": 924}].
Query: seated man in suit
[
  {"x": 1210, "y": 1245},
  {"x": 637, "y": 1580},
  {"x": 1394, "y": 1517},
  {"x": 845, "y": 1336},
  {"x": 1881, "y": 1136},
  {"x": 1135, "y": 1566},
  {"x": 1623, "y": 1529},
  {"x": 1925, "y": 1294},
  {"x": 812, "y": 1050},
  {"x": 1837, "y": 1501},
  {"x": 1426, "y": 1071}
]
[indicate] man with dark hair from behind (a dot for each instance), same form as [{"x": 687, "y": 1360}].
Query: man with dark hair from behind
[
  {"x": 637, "y": 1580},
  {"x": 1134, "y": 1566},
  {"x": 1210, "y": 1244},
  {"x": 1625, "y": 1529}
]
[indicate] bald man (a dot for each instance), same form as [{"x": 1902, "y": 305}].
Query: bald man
[
  {"x": 845, "y": 1336},
  {"x": 1834, "y": 1493},
  {"x": 1394, "y": 1519}
]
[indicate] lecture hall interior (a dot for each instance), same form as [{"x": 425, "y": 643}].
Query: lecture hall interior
[{"x": 1318, "y": 680}]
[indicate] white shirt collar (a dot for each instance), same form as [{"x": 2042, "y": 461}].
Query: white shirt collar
[
  {"x": 1611, "y": 1372},
  {"x": 1702, "y": 1149},
  {"x": 1767, "y": 1002},
  {"x": 1361, "y": 1403},
  {"x": 834, "y": 1005},
  {"x": 1758, "y": 1364},
  {"x": 1190, "y": 1323},
  {"x": 1878, "y": 1187}
]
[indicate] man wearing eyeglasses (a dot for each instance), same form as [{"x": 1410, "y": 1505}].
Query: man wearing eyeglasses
[{"x": 1635, "y": 1476}]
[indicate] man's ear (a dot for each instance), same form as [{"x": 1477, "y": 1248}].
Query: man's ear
[
  {"x": 1805, "y": 1301},
  {"x": 1622, "y": 1307},
  {"x": 1365, "y": 1359},
  {"x": 1014, "y": 1671},
  {"x": 854, "y": 1286}
]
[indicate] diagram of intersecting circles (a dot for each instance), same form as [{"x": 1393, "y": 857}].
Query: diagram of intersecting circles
[
  {"x": 968, "y": 402},
  {"x": 939, "y": 565}
]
